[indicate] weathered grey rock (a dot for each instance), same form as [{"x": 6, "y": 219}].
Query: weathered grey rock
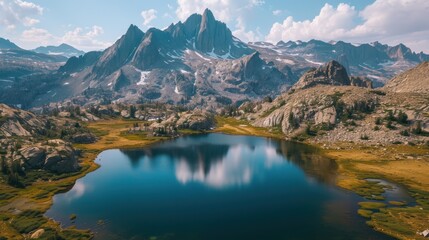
[
  {"x": 198, "y": 121},
  {"x": 16, "y": 122},
  {"x": 62, "y": 159},
  {"x": 84, "y": 138},
  {"x": 34, "y": 156},
  {"x": 327, "y": 115},
  {"x": 125, "y": 114}
]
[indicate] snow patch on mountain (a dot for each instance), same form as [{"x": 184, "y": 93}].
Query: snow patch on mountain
[
  {"x": 313, "y": 62},
  {"x": 143, "y": 76}
]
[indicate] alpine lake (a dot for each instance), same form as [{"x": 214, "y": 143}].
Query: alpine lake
[{"x": 215, "y": 186}]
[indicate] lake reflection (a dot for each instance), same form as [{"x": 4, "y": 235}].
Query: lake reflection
[
  {"x": 233, "y": 163},
  {"x": 214, "y": 186}
]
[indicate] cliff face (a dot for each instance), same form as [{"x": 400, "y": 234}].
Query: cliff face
[{"x": 213, "y": 36}]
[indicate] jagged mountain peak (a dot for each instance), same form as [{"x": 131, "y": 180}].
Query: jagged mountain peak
[
  {"x": 133, "y": 30},
  {"x": 120, "y": 53},
  {"x": 208, "y": 16}
]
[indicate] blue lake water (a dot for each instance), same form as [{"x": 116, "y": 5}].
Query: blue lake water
[{"x": 214, "y": 186}]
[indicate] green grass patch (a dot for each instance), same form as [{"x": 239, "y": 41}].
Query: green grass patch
[
  {"x": 395, "y": 225},
  {"x": 71, "y": 233},
  {"x": 397, "y": 203},
  {"x": 370, "y": 190},
  {"x": 28, "y": 221},
  {"x": 372, "y": 205},
  {"x": 365, "y": 213},
  {"x": 99, "y": 132}
]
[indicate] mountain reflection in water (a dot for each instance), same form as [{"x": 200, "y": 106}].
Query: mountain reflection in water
[{"x": 221, "y": 165}]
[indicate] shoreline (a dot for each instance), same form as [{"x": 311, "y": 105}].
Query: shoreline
[{"x": 350, "y": 177}]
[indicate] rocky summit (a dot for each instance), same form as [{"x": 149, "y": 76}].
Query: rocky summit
[{"x": 333, "y": 73}]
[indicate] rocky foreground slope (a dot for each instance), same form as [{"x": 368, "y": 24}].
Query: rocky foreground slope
[
  {"x": 415, "y": 80},
  {"x": 30, "y": 142},
  {"x": 330, "y": 111}
]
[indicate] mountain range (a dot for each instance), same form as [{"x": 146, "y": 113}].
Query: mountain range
[
  {"x": 199, "y": 63},
  {"x": 17, "y": 63},
  {"x": 62, "y": 50},
  {"x": 376, "y": 61}
]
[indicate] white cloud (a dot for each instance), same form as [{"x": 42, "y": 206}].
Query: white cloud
[
  {"x": 148, "y": 16},
  {"x": 15, "y": 12},
  {"x": 85, "y": 39},
  {"x": 38, "y": 35},
  {"x": 221, "y": 8},
  {"x": 389, "y": 21},
  {"x": 78, "y": 37},
  {"x": 277, "y": 12},
  {"x": 241, "y": 33},
  {"x": 330, "y": 23},
  {"x": 232, "y": 12},
  {"x": 391, "y": 17},
  {"x": 254, "y": 3}
]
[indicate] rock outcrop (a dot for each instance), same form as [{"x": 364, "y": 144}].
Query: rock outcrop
[
  {"x": 345, "y": 114},
  {"x": 193, "y": 120},
  {"x": 83, "y": 138},
  {"x": 56, "y": 156},
  {"x": 318, "y": 106},
  {"x": 197, "y": 121},
  {"x": 23, "y": 140},
  {"x": 15, "y": 122},
  {"x": 332, "y": 73}
]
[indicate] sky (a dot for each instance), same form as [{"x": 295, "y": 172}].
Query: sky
[{"x": 96, "y": 24}]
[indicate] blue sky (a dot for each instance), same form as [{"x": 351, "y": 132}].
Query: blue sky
[{"x": 96, "y": 24}]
